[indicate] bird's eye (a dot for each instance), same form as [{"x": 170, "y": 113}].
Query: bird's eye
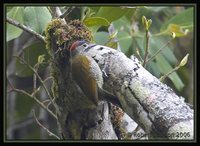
[{"x": 84, "y": 45}]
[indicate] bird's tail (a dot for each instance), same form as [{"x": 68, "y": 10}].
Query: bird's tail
[{"x": 105, "y": 95}]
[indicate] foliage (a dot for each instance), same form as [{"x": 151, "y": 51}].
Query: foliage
[
  {"x": 128, "y": 21},
  {"x": 127, "y": 24},
  {"x": 17, "y": 14}
]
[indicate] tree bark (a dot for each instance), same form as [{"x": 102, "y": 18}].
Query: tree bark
[{"x": 153, "y": 105}]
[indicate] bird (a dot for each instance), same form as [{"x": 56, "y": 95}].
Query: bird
[{"x": 88, "y": 75}]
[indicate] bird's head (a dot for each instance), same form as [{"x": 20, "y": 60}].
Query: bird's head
[{"x": 75, "y": 45}]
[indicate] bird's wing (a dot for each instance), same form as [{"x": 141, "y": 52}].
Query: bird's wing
[{"x": 81, "y": 74}]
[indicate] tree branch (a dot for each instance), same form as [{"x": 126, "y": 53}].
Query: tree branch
[
  {"x": 25, "y": 28},
  {"x": 67, "y": 12},
  {"x": 147, "y": 47},
  {"x": 153, "y": 105},
  {"x": 47, "y": 130},
  {"x": 40, "y": 79},
  {"x": 159, "y": 111},
  {"x": 33, "y": 97},
  {"x": 37, "y": 101}
]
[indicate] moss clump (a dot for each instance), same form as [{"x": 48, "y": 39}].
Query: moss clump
[
  {"x": 51, "y": 25},
  {"x": 65, "y": 34},
  {"x": 59, "y": 36}
]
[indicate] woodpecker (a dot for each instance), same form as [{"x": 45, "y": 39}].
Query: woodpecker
[{"x": 88, "y": 75}]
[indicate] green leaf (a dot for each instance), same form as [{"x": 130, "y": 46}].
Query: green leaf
[
  {"x": 94, "y": 9},
  {"x": 37, "y": 18},
  {"x": 156, "y": 43},
  {"x": 112, "y": 44},
  {"x": 142, "y": 11},
  {"x": 86, "y": 13},
  {"x": 41, "y": 59},
  {"x": 93, "y": 21},
  {"x": 111, "y": 13},
  {"x": 101, "y": 37},
  {"x": 122, "y": 24},
  {"x": 94, "y": 29},
  {"x": 165, "y": 67},
  {"x": 183, "y": 19},
  {"x": 161, "y": 63},
  {"x": 131, "y": 13},
  {"x": 144, "y": 21},
  {"x": 156, "y": 8},
  {"x": 173, "y": 35},
  {"x": 149, "y": 22},
  {"x": 113, "y": 35},
  {"x": 173, "y": 28},
  {"x": 125, "y": 41},
  {"x": 31, "y": 56},
  {"x": 24, "y": 104},
  {"x": 184, "y": 60},
  {"x": 13, "y": 32},
  {"x": 152, "y": 67}
]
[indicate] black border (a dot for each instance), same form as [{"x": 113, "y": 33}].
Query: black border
[{"x": 102, "y": 3}]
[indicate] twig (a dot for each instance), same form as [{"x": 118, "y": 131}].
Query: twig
[
  {"x": 182, "y": 63},
  {"x": 35, "y": 91},
  {"x": 34, "y": 83},
  {"x": 50, "y": 11},
  {"x": 35, "y": 78},
  {"x": 169, "y": 73},
  {"x": 33, "y": 97},
  {"x": 147, "y": 47},
  {"x": 55, "y": 12},
  {"x": 48, "y": 78},
  {"x": 58, "y": 11},
  {"x": 47, "y": 130},
  {"x": 46, "y": 101},
  {"x": 25, "y": 28},
  {"x": 12, "y": 87},
  {"x": 138, "y": 53},
  {"x": 42, "y": 82},
  {"x": 153, "y": 56},
  {"x": 69, "y": 10}
]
